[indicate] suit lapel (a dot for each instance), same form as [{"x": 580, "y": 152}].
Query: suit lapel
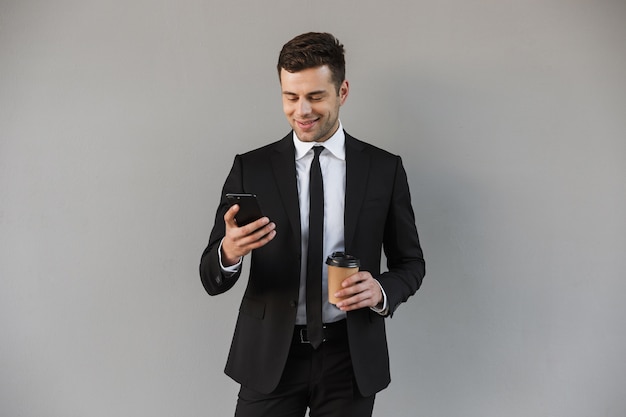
[
  {"x": 357, "y": 176},
  {"x": 284, "y": 166}
]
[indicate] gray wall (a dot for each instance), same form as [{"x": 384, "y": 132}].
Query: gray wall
[{"x": 119, "y": 121}]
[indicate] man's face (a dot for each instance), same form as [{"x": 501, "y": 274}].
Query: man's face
[{"x": 311, "y": 102}]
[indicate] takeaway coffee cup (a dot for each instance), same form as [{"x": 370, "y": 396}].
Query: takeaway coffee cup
[{"x": 340, "y": 267}]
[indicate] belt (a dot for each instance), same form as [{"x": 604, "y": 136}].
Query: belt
[{"x": 331, "y": 332}]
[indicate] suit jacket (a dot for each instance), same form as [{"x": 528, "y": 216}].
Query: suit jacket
[{"x": 378, "y": 214}]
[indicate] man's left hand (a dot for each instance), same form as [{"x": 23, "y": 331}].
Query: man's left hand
[{"x": 359, "y": 290}]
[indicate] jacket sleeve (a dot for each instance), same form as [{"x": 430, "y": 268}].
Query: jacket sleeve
[
  {"x": 214, "y": 280},
  {"x": 405, "y": 259}
]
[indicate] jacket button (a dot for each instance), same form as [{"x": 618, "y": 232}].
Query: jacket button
[{"x": 293, "y": 304}]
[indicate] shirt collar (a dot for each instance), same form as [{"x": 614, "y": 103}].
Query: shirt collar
[{"x": 335, "y": 144}]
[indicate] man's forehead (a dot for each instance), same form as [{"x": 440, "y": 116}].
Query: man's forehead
[{"x": 321, "y": 75}]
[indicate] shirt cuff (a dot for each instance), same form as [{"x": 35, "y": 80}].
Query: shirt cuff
[
  {"x": 384, "y": 310},
  {"x": 228, "y": 270}
]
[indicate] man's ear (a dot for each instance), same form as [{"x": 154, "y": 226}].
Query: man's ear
[{"x": 344, "y": 89}]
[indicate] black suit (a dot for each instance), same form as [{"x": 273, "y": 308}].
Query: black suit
[{"x": 378, "y": 213}]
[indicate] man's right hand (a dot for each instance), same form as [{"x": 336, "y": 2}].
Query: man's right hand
[{"x": 239, "y": 241}]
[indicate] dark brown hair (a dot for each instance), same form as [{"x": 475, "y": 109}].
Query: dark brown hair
[{"x": 312, "y": 50}]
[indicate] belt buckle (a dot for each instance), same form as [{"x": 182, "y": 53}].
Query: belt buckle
[{"x": 304, "y": 335}]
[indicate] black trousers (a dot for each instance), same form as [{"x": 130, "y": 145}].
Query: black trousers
[{"x": 321, "y": 380}]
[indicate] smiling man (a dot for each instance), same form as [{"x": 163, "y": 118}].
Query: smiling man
[{"x": 321, "y": 191}]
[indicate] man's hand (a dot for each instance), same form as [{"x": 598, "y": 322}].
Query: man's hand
[
  {"x": 359, "y": 290},
  {"x": 239, "y": 241}
]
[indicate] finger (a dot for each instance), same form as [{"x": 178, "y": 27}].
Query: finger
[
  {"x": 260, "y": 234},
  {"x": 254, "y": 226},
  {"x": 354, "y": 279},
  {"x": 354, "y": 284},
  {"x": 264, "y": 240},
  {"x": 229, "y": 216},
  {"x": 348, "y": 290},
  {"x": 360, "y": 300},
  {"x": 350, "y": 296}
]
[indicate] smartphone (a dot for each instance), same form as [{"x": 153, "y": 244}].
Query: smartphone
[{"x": 249, "y": 209}]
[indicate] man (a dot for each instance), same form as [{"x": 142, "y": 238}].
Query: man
[{"x": 285, "y": 359}]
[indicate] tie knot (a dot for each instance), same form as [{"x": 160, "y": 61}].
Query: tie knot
[{"x": 318, "y": 150}]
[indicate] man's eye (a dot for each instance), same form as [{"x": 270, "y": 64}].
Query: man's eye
[{"x": 316, "y": 98}]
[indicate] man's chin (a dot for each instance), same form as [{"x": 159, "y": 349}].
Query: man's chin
[{"x": 306, "y": 136}]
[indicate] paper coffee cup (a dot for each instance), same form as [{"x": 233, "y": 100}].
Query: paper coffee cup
[{"x": 340, "y": 267}]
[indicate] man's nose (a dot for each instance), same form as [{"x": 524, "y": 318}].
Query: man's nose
[{"x": 304, "y": 107}]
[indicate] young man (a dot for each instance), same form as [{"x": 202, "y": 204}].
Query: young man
[{"x": 291, "y": 352}]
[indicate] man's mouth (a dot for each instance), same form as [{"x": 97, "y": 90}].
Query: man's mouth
[{"x": 306, "y": 124}]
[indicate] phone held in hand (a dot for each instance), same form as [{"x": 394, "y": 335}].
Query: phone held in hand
[{"x": 249, "y": 209}]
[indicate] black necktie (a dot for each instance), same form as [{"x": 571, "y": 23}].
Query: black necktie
[{"x": 315, "y": 251}]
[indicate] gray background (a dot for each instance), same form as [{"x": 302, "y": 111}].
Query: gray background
[{"x": 119, "y": 121}]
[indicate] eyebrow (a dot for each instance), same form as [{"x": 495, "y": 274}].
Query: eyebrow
[{"x": 312, "y": 93}]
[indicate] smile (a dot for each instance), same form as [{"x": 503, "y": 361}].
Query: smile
[{"x": 306, "y": 124}]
